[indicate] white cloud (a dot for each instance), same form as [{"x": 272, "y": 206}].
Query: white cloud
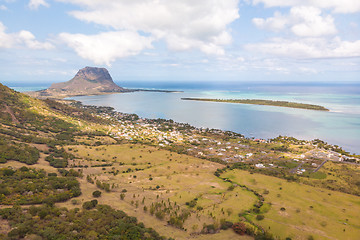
[
  {"x": 6, "y": 40},
  {"x": 308, "y": 70},
  {"x": 276, "y": 23},
  {"x": 339, "y": 6},
  {"x": 3, "y": 8},
  {"x": 303, "y": 21},
  {"x": 311, "y": 23},
  {"x": 105, "y": 48},
  {"x": 308, "y": 48},
  {"x": 35, "y": 4},
  {"x": 30, "y": 41},
  {"x": 21, "y": 39},
  {"x": 183, "y": 25}
]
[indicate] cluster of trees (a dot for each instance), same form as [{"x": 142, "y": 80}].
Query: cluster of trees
[
  {"x": 23, "y": 135},
  {"x": 59, "y": 157},
  {"x": 70, "y": 173},
  {"x": 31, "y": 186},
  {"x": 90, "y": 204},
  {"x": 175, "y": 215},
  {"x": 57, "y": 162},
  {"x": 103, "y": 185},
  {"x": 17, "y": 151},
  {"x": 59, "y": 223}
]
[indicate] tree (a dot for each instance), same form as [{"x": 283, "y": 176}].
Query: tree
[{"x": 96, "y": 193}]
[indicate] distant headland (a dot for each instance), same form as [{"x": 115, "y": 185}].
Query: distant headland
[
  {"x": 264, "y": 102},
  {"x": 87, "y": 81}
]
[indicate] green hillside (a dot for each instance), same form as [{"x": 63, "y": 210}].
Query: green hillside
[{"x": 69, "y": 171}]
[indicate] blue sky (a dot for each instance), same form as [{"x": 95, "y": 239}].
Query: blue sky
[{"x": 45, "y": 41}]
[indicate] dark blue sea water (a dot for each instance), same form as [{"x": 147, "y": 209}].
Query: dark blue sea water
[{"x": 340, "y": 126}]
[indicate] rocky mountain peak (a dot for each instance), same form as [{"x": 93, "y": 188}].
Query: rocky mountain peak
[
  {"x": 93, "y": 74},
  {"x": 87, "y": 81}
]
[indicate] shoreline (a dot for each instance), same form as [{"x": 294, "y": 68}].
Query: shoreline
[
  {"x": 42, "y": 94},
  {"x": 110, "y": 111},
  {"x": 350, "y": 149}
]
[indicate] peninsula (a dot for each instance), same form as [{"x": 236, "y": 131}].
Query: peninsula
[
  {"x": 87, "y": 81},
  {"x": 263, "y": 102}
]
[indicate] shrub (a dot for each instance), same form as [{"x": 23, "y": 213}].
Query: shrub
[
  {"x": 260, "y": 217},
  {"x": 226, "y": 225},
  {"x": 209, "y": 229},
  {"x": 96, "y": 193},
  {"x": 323, "y": 224},
  {"x": 122, "y": 196},
  {"x": 192, "y": 203},
  {"x": 90, "y": 204},
  {"x": 239, "y": 228}
]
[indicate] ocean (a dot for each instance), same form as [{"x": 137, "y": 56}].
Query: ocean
[{"x": 340, "y": 126}]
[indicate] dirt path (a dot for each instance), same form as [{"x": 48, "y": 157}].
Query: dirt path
[{"x": 322, "y": 164}]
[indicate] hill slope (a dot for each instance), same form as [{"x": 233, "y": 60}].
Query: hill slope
[{"x": 167, "y": 188}]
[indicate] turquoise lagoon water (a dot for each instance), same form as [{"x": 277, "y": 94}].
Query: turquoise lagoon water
[{"x": 340, "y": 126}]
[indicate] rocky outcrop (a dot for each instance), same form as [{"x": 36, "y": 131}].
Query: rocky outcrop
[{"x": 88, "y": 81}]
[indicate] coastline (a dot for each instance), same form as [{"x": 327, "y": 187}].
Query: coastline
[
  {"x": 42, "y": 94},
  {"x": 258, "y": 122},
  {"x": 111, "y": 112},
  {"x": 248, "y": 131}
]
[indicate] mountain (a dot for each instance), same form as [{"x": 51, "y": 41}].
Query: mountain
[{"x": 87, "y": 81}]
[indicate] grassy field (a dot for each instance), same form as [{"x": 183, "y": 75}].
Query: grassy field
[
  {"x": 159, "y": 176},
  {"x": 180, "y": 179},
  {"x": 343, "y": 177},
  {"x": 181, "y": 184},
  {"x": 299, "y": 211}
]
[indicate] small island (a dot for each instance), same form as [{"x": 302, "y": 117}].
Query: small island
[{"x": 263, "y": 102}]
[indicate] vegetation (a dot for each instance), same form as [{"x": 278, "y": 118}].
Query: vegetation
[
  {"x": 47, "y": 222},
  {"x": 21, "y": 152},
  {"x": 264, "y": 102},
  {"x": 31, "y": 186},
  {"x": 96, "y": 193}
]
